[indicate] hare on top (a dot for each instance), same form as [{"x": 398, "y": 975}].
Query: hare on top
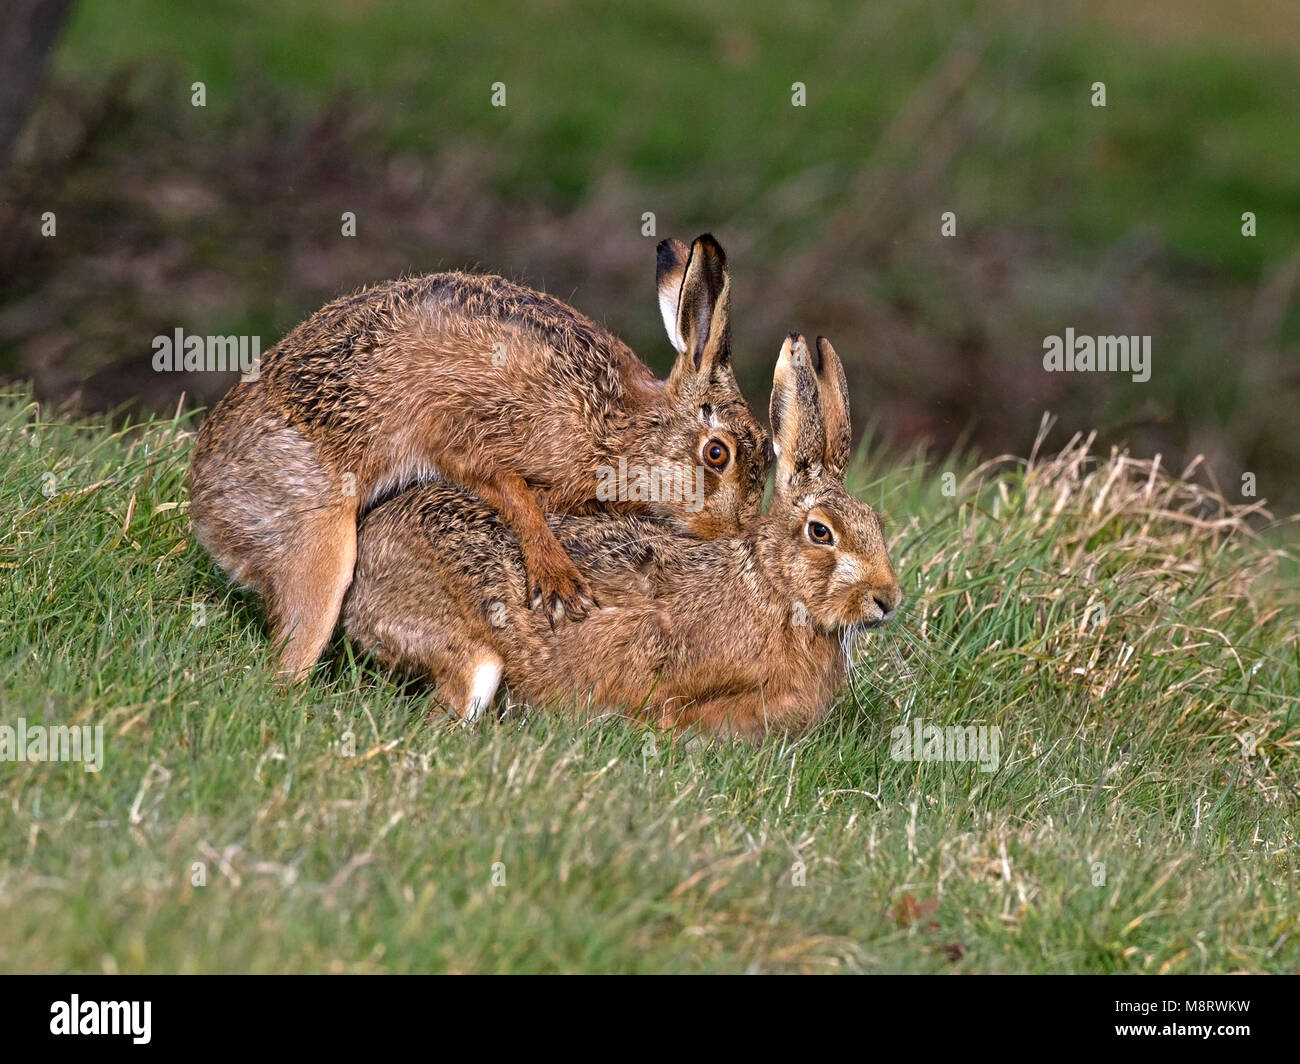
[{"x": 477, "y": 382}]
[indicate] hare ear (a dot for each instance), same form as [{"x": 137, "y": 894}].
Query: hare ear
[
  {"x": 670, "y": 271},
  {"x": 702, "y": 309},
  {"x": 833, "y": 389},
  {"x": 798, "y": 433}
]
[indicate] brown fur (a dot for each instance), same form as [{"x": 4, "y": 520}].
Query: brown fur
[
  {"x": 734, "y": 635},
  {"x": 481, "y": 383}
]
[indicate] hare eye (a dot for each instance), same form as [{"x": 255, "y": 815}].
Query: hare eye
[
  {"x": 716, "y": 455},
  {"x": 820, "y": 534}
]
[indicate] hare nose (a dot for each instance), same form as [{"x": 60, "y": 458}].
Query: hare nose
[{"x": 888, "y": 599}]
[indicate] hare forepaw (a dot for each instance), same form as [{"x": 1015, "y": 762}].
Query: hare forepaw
[{"x": 556, "y": 587}]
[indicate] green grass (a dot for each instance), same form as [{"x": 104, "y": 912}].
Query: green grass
[{"x": 622, "y": 851}]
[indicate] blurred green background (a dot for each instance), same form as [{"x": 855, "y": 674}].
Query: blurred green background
[{"x": 1117, "y": 220}]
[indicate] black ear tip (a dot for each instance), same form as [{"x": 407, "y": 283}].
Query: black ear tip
[
  {"x": 667, "y": 255},
  {"x": 707, "y": 243}
]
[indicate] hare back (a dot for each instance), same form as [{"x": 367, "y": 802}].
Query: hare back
[
  {"x": 464, "y": 365},
  {"x": 439, "y": 329}
]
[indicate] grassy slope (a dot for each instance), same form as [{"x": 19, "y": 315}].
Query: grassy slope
[{"x": 622, "y": 853}]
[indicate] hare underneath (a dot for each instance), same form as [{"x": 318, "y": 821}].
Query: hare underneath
[
  {"x": 478, "y": 382},
  {"x": 734, "y": 635}
]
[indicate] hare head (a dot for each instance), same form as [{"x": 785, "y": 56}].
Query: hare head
[
  {"x": 827, "y": 547},
  {"x": 705, "y": 416}
]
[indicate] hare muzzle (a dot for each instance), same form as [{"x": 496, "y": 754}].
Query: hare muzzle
[{"x": 875, "y": 605}]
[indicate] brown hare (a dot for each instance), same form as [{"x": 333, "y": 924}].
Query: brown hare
[
  {"x": 477, "y": 382},
  {"x": 734, "y": 635}
]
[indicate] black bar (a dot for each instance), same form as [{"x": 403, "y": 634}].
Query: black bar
[{"x": 342, "y": 1013}]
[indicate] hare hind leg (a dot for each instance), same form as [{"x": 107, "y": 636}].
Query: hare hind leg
[
  {"x": 308, "y": 586},
  {"x": 434, "y": 644},
  {"x": 274, "y": 517},
  {"x": 413, "y": 625}
]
